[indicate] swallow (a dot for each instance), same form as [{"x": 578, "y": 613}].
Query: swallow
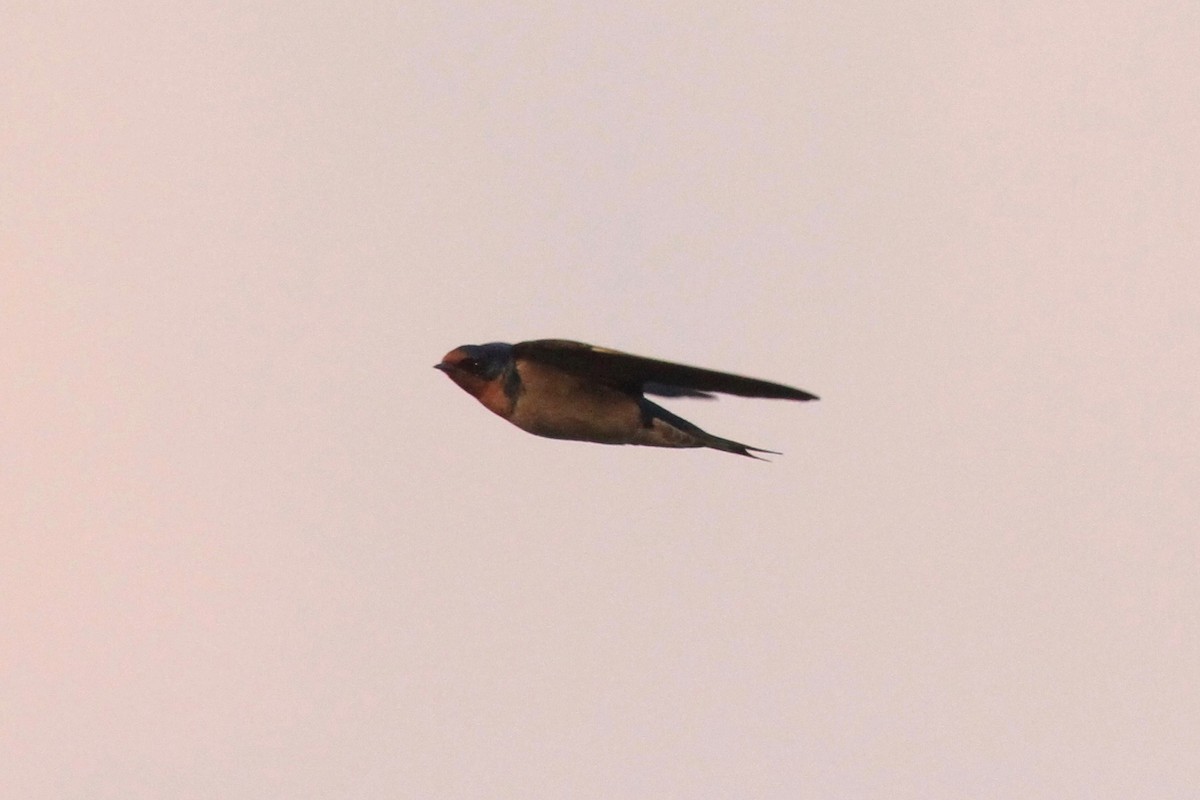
[{"x": 570, "y": 390}]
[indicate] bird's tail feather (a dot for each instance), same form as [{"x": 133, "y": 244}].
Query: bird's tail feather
[{"x": 661, "y": 428}]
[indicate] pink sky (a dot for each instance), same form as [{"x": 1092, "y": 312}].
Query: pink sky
[{"x": 254, "y": 547}]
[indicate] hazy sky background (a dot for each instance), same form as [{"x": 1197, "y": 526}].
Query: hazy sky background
[{"x": 254, "y": 547}]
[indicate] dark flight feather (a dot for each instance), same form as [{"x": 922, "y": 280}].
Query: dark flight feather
[
  {"x": 635, "y": 373},
  {"x": 662, "y": 390}
]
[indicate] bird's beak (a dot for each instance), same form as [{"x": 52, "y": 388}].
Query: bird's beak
[{"x": 444, "y": 367}]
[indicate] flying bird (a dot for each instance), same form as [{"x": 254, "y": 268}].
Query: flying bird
[{"x": 571, "y": 390}]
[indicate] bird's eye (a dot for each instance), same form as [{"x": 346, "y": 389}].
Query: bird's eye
[{"x": 469, "y": 364}]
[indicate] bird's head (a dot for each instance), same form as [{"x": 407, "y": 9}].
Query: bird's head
[{"x": 475, "y": 367}]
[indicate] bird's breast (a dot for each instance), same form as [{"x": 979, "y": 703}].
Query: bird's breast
[{"x": 564, "y": 406}]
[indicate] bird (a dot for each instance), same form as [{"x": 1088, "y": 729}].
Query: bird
[{"x": 563, "y": 389}]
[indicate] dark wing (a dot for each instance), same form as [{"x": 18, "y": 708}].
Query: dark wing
[
  {"x": 662, "y": 390},
  {"x": 634, "y": 372}
]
